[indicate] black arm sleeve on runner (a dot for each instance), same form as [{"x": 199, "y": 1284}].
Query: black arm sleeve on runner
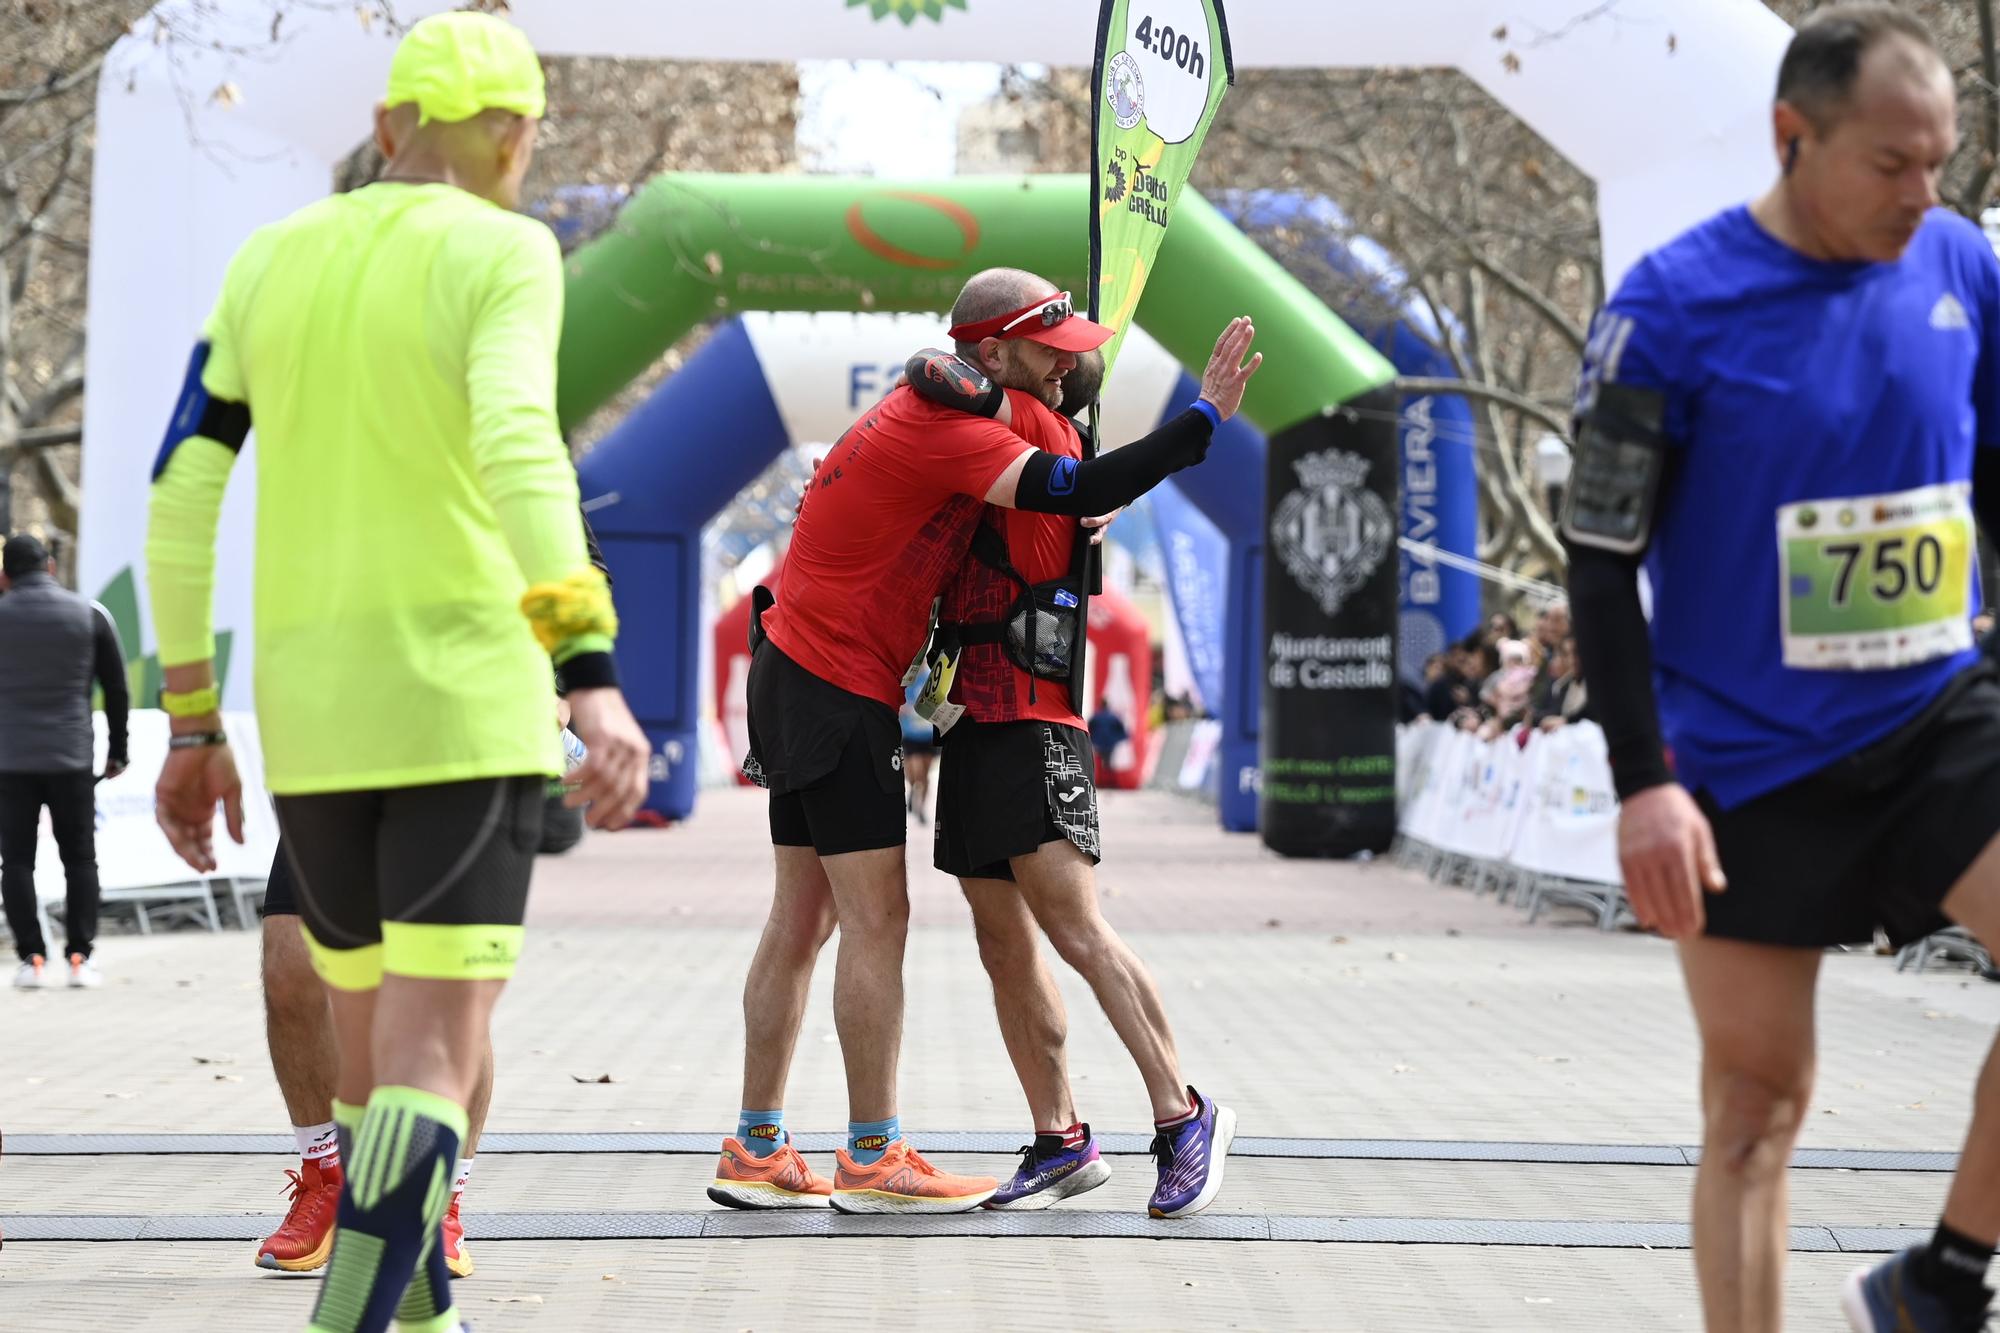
[
  {"x": 1986, "y": 499},
  {"x": 1052, "y": 484},
  {"x": 108, "y": 665},
  {"x": 1617, "y": 659}
]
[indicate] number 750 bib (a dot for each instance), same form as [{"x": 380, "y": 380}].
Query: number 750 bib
[{"x": 1874, "y": 582}]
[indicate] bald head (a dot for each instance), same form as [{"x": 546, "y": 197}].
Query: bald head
[
  {"x": 994, "y": 292},
  {"x": 1014, "y": 363}
]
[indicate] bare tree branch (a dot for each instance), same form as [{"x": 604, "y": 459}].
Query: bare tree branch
[
  {"x": 48, "y": 437},
  {"x": 1484, "y": 392}
]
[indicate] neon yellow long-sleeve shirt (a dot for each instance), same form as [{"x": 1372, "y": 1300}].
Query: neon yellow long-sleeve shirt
[{"x": 396, "y": 347}]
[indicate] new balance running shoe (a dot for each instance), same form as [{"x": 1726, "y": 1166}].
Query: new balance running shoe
[
  {"x": 1888, "y": 1299},
  {"x": 903, "y": 1182},
  {"x": 1190, "y": 1157},
  {"x": 456, "y": 1257},
  {"x": 304, "y": 1241},
  {"x": 1048, "y": 1175},
  {"x": 781, "y": 1180}
]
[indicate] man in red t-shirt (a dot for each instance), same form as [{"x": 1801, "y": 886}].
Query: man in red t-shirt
[
  {"x": 885, "y": 524},
  {"x": 1017, "y": 824}
]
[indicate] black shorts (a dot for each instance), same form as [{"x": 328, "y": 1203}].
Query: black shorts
[
  {"x": 451, "y": 861},
  {"x": 281, "y": 890},
  {"x": 1875, "y": 839},
  {"x": 1005, "y": 788},
  {"x": 833, "y": 761}
]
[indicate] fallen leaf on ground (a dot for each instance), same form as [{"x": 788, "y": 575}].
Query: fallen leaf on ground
[
  {"x": 601, "y": 1078},
  {"x": 229, "y": 1078}
]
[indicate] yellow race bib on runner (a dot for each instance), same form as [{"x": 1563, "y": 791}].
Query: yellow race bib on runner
[{"x": 1874, "y": 582}]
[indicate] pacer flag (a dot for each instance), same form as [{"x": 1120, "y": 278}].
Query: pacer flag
[{"x": 1162, "y": 69}]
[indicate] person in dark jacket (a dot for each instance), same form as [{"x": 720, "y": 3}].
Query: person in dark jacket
[{"x": 58, "y": 644}]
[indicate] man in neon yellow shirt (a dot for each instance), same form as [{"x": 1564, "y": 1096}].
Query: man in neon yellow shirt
[{"x": 419, "y": 561}]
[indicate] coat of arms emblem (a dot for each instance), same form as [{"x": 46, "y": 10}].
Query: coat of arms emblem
[{"x": 1331, "y": 532}]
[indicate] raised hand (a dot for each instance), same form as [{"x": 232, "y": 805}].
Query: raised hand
[{"x": 1223, "y": 382}]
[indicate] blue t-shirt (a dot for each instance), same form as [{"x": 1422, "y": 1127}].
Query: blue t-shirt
[{"x": 1792, "y": 386}]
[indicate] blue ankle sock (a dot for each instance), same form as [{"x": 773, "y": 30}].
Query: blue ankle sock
[
  {"x": 762, "y": 1132},
  {"x": 867, "y": 1140}
]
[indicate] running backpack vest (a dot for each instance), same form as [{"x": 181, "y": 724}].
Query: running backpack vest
[{"x": 1040, "y": 633}]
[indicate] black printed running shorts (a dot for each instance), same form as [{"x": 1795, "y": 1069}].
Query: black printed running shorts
[{"x": 1005, "y": 788}]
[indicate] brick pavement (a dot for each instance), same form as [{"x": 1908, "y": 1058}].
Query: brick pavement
[{"x": 1321, "y": 1000}]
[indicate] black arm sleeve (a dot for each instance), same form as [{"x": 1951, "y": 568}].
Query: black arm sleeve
[
  {"x": 589, "y": 670},
  {"x": 1986, "y": 500},
  {"x": 108, "y": 665},
  {"x": 595, "y": 552},
  {"x": 1617, "y": 660},
  {"x": 1051, "y": 484}
]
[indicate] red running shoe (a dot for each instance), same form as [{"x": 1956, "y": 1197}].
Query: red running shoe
[{"x": 305, "y": 1240}]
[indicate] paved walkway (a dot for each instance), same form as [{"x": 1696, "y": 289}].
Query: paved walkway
[{"x": 1376, "y": 1034}]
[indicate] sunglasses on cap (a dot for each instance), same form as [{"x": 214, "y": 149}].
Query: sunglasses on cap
[{"x": 1058, "y": 308}]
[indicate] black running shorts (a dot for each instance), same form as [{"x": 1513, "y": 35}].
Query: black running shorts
[
  {"x": 1877, "y": 838},
  {"x": 833, "y": 761},
  {"x": 420, "y": 881},
  {"x": 281, "y": 892},
  {"x": 1005, "y": 788}
]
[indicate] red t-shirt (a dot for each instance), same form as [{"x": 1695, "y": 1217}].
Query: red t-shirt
[
  {"x": 884, "y": 525},
  {"x": 1040, "y": 546}
]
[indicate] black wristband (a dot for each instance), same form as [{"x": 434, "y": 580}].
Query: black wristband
[
  {"x": 197, "y": 740},
  {"x": 589, "y": 671}
]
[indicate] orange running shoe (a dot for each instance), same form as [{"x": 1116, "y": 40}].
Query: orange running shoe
[
  {"x": 456, "y": 1257},
  {"x": 305, "y": 1240},
  {"x": 903, "y": 1182},
  {"x": 781, "y": 1180}
]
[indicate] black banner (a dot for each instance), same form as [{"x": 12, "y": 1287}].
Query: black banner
[{"x": 1328, "y": 746}]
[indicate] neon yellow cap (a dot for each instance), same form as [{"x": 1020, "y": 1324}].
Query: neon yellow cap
[{"x": 456, "y": 65}]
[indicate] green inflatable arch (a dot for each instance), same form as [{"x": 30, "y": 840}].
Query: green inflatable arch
[{"x": 689, "y": 248}]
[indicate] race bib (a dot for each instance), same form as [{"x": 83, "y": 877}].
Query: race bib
[
  {"x": 933, "y": 701},
  {"x": 1876, "y": 581}
]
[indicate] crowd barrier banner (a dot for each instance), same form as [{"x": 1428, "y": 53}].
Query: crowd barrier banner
[
  {"x": 132, "y": 853},
  {"x": 1546, "y": 807}
]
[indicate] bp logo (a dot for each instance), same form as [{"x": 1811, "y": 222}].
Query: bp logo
[
  {"x": 1331, "y": 532},
  {"x": 908, "y": 10}
]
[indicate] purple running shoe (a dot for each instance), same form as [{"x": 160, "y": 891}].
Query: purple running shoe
[
  {"x": 1190, "y": 1157},
  {"x": 1888, "y": 1299},
  {"x": 1050, "y": 1173}
]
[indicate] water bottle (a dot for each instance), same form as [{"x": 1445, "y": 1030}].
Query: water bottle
[{"x": 574, "y": 752}]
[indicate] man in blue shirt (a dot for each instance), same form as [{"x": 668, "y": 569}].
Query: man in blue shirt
[{"x": 1790, "y": 415}]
